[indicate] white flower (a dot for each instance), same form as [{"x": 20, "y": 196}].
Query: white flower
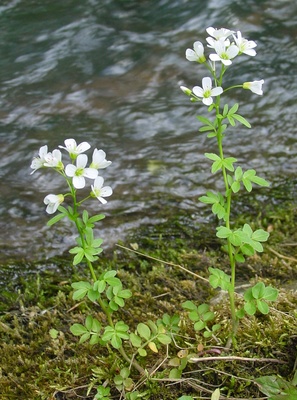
[
  {"x": 99, "y": 160},
  {"x": 53, "y": 201},
  {"x": 206, "y": 91},
  {"x": 218, "y": 34},
  {"x": 197, "y": 54},
  {"x": 224, "y": 53},
  {"x": 245, "y": 46},
  {"x": 38, "y": 162},
  {"x": 99, "y": 191},
  {"x": 255, "y": 86},
  {"x": 74, "y": 149},
  {"x": 79, "y": 172},
  {"x": 54, "y": 160}
]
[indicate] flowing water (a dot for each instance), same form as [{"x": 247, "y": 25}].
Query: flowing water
[{"x": 108, "y": 72}]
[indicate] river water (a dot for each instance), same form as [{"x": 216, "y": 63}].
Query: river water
[{"x": 108, "y": 72}]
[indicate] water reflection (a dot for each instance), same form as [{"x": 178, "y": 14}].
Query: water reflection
[{"x": 109, "y": 72}]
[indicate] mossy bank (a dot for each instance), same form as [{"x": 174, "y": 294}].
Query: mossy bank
[{"x": 163, "y": 265}]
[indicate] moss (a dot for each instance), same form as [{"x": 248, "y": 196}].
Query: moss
[{"x": 38, "y": 365}]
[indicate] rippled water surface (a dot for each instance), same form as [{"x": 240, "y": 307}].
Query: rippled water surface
[{"x": 108, "y": 72}]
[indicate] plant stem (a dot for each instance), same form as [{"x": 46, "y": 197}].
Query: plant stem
[{"x": 228, "y": 194}]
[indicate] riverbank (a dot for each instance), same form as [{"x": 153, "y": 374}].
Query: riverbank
[{"x": 163, "y": 265}]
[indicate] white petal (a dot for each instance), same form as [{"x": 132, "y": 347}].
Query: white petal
[
  {"x": 210, "y": 30},
  {"x": 198, "y": 91},
  {"x": 226, "y": 62},
  {"x": 70, "y": 144},
  {"x": 106, "y": 191},
  {"x": 81, "y": 161},
  {"x": 206, "y": 83},
  {"x": 84, "y": 146},
  {"x": 101, "y": 199},
  {"x": 250, "y": 52},
  {"x": 70, "y": 170},
  {"x": 191, "y": 55},
  {"x": 207, "y": 101},
  {"x": 98, "y": 183},
  {"x": 43, "y": 151},
  {"x": 232, "y": 51},
  {"x": 216, "y": 91},
  {"x": 198, "y": 48},
  {"x": 214, "y": 57},
  {"x": 79, "y": 182},
  {"x": 91, "y": 173}
]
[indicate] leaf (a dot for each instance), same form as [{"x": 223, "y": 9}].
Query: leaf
[
  {"x": 189, "y": 305},
  {"x": 262, "y": 307},
  {"x": 142, "y": 352},
  {"x": 223, "y": 232},
  {"x": 260, "y": 181},
  {"x": 55, "y": 219},
  {"x": 212, "y": 156},
  {"x": 205, "y": 121},
  {"x": 78, "y": 258},
  {"x": 260, "y": 235},
  {"x": 96, "y": 218},
  {"x": 144, "y": 331},
  {"x": 89, "y": 322},
  {"x": 163, "y": 338},
  {"x": 84, "y": 337},
  {"x": 210, "y": 198},
  {"x": 242, "y": 120},
  {"x": 250, "y": 308},
  {"x": 78, "y": 329},
  {"x": 270, "y": 293},
  {"x": 216, "y": 394},
  {"x": 199, "y": 325},
  {"x": 153, "y": 347},
  {"x": 82, "y": 290},
  {"x": 135, "y": 340},
  {"x": 233, "y": 109},
  {"x": 258, "y": 290},
  {"x": 116, "y": 342},
  {"x": 176, "y": 374},
  {"x": 235, "y": 187},
  {"x": 269, "y": 385}
]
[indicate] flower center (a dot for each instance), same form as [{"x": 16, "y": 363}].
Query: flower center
[
  {"x": 224, "y": 56},
  {"x": 79, "y": 172},
  {"x": 207, "y": 93}
]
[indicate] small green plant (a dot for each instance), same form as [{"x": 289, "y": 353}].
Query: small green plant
[
  {"x": 225, "y": 45},
  {"x": 201, "y": 316},
  {"x": 103, "y": 288}
]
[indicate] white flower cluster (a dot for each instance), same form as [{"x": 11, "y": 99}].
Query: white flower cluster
[
  {"x": 226, "y": 45},
  {"x": 76, "y": 171}
]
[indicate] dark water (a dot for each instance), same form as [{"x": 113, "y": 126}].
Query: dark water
[{"x": 108, "y": 72}]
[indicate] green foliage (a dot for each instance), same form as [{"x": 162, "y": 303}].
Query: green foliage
[
  {"x": 103, "y": 393},
  {"x": 91, "y": 330},
  {"x": 201, "y": 316},
  {"x": 115, "y": 334},
  {"x": 153, "y": 335},
  {"x": 277, "y": 388},
  {"x": 219, "y": 278},
  {"x": 256, "y": 298},
  {"x": 218, "y": 204}
]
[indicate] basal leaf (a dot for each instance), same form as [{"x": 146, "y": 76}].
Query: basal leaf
[
  {"x": 270, "y": 293},
  {"x": 262, "y": 307}
]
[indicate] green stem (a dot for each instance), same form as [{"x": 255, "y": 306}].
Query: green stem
[{"x": 228, "y": 194}]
